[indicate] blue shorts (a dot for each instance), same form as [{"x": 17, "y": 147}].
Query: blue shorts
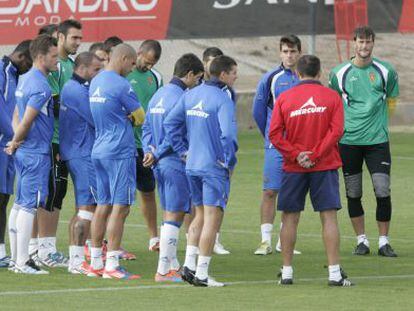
[
  {"x": 173, "y": 189},
  {"x": 7, "y": 173},
  {"x": 208, "y": 190},
  {"x": 322, "y": 186},
  {"x": 83, "y": 176},
  {"x": 272, "y": 170},
  {"x": 115, "y": 181},
  {"x": 32, "y": 172}
]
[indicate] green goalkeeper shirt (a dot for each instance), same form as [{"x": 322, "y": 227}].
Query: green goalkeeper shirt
[
  {"x": 364, "y": 92},
  {"x": 144, "y": 84},
  {"x": 57, "y": 80}
]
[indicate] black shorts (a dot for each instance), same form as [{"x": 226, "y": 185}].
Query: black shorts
[
  {"x": 145, "y": 175},
  {"x": 377, "y": 158},
  {"x": 58, "y": 181}
]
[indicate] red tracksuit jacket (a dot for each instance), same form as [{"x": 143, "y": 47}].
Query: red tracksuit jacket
[{"x": 308, "y": 117}]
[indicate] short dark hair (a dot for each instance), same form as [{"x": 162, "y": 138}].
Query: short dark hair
[
  {"x": 220, "y": 64},
  {"x": 41, "y": 45},
  {"x": 309, "y": 66},
  {"x": 364, "y": 32},
  {"x": 111, "y": 42},
  {"x": 85, "y": 58},
  {"x": 151, "y": 45},
  {"x": 187, "y": 63},
  {"x": 48, "y": 29},
  {"x": 291, "y": 41},
  {"x": 23, "y": 48},
  {"x": 64, "y": 26},
  {"x": 211, "y": 52},
  {"x": 97, "y": 46}
]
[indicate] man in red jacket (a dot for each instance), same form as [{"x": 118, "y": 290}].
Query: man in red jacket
[{"x": 306, "y": 125}]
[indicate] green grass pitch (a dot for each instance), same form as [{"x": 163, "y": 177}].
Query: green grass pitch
[{"x": 382, "y": 283}]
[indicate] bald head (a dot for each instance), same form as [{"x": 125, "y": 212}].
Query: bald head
[
  {"x": 123, "y": 50},
  {"x": 123, "y": 59}
]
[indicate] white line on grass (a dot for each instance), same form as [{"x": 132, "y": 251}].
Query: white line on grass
[
  {"x": 308, "y": 235},
  {"x": 171, "y": 286}
]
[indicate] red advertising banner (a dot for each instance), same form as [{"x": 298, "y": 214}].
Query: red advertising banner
[
  {"x": 129, "y": 19},
  {"x": 407, "y": 17}
]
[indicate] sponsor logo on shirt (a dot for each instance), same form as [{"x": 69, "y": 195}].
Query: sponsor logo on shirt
[
  {"x": 353, "y": 79},
  {"x": 97, "y": 98},
  {"x": 197, "y": 111},
  {"x": 372, "y": 77},
  {"x": 159, "y": 108},
  {"x": 308, "y": 108}
]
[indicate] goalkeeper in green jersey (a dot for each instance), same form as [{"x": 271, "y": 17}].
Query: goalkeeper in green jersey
[{"x": 369, "y": 88}]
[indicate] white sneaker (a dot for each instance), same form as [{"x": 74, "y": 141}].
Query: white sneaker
[
  {"x": 12, "y": 266},
  {"x": 264, "y": 249},
  {"x": 154, "y": 244},
  {"x": 209, "y": 282},
  {"x": 279, "y": 250},
  {"x": 219, "y": 249},
  {"x": 30, "y": 268},
  {"x": 57, "y": 260}
]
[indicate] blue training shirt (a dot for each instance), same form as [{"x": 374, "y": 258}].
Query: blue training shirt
[
  {"x": 112, "y": 99},
  {"x": 272, "y": 84},
  {"x": 153, "y": 134},
  {"x": 33, "y": 90},
  {"x": 76, "y": 127},
  {"x": 8, "y": 84},
  {"x": 206, "y": 115}
]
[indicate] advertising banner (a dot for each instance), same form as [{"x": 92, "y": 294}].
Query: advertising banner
[
  {"x": 130, "y": 19},
  {"x": 178, "y": 19}
]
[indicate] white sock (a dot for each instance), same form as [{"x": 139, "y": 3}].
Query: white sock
[
  {"x": 112, "y": 260},
  {"x": 168, "y": 248},
  {"x": 24, "y": 226},
  {"x": 51, "y": 244},
  {"x": 335, "y": 273},
  {"x": 71, "y": 254},
  {"x": 78, "y": 255},
  {"x": 88, "y": 243},
  {"x": 267, "y": 230},
  {"x": 287, "y": 272},
  {"x": 191, "y": 257},
  {"x": 2, "y": 250},
  {"x": 33, "y": 246},
  {"x": 96, "y": 258},
  {"x": 43, "y": 249},
  {"x": 383, "y": 240},
  {"x": 362, "y": 238},
  {"x": 13, "y": 231},
  {"x": 163, "y": 261},
  {"x": 202, "y": 267},
  {"x": 218, "y": 238}
]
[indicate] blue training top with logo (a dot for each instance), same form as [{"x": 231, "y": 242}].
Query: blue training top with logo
[
  {"x": 272, "y": 84},
  {"x": 76, "y": 127},
  {"x": 153, "y": 134},
  {"x": 8, "y": 84},
  {"x": 207, "y": 114},
  {"x": 112, "y": 99},
  {"x": 33, "y": 90}
]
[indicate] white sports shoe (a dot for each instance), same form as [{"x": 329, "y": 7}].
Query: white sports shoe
[
  {"x": 219, "y": 249},
  {"x": 30, "y": 268},
  {"x": 264, "y": 249},
  {"x": 209, "y": 282},
  {"x": 154, "y": 244}
]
